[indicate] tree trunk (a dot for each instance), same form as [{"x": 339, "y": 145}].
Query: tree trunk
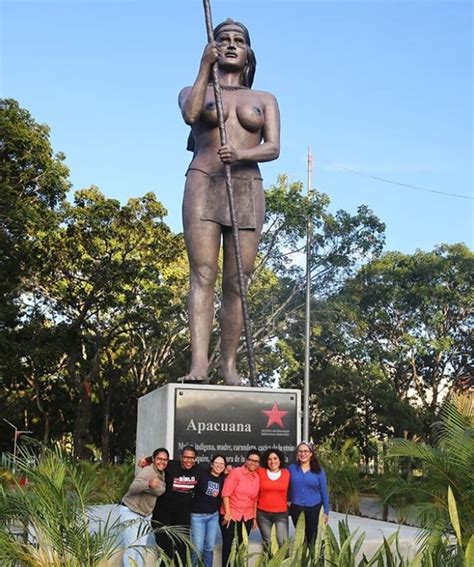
[
  {"x": 81, "y": 426},
  {"x": 46, "y": 428},
  {"x": 106, "y": 429},
  {"x": 384, "y": 471}
]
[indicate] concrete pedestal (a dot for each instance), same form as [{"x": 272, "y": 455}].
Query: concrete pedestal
[{"x": 218, "y": 419}]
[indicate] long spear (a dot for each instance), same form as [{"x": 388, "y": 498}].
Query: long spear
[{"x": 230, "y": 196}]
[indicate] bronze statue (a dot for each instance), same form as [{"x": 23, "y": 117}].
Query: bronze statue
[{"x": 252, "y": 125}]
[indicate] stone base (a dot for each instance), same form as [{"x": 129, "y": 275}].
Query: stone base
[{"x": 218, "y": 419}]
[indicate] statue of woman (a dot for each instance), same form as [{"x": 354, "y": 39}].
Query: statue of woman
[{"x": 252, "y": 125}]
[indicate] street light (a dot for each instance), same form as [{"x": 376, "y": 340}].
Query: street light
[
  {"x": 309, "y": 230},
  {"x": 17, "y": 434}
]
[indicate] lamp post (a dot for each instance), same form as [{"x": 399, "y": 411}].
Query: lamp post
[
  {"x": 308, "y": 303},
  {"x": 16, "y": 435}
]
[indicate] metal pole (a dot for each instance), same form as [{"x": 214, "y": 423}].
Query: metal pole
[
  {"x": 230, "y": 196},
  {"x": 309, "y": 231},
  {"x": 15, "y": 442}
]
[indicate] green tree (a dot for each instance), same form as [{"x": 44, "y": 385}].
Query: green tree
[
  {"x": 408, "y": 318},
  {"x": 277, "y": 290},
  {"x": 103, "y": 285},
  {"x": 357, "y": 404},
  {"x": 386, "y": 345},
  {"x": 447, "y": 465},
  {"x": 102, "y": 281},
  {"x": 93, "y": 296},
  {"x": 33, "y": 182}
]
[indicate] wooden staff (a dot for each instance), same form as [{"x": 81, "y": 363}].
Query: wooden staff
[{"x": 230, "y": 196}]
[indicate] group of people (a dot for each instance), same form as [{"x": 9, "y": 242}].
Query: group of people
[{"x": 261, "y": 493}]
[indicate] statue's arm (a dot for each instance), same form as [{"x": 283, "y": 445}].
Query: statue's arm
[{"x": 191, "y": 99}]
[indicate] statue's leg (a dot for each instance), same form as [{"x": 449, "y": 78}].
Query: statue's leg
[
  {"x": 231, "y": 319},
  {"x": 202, "y": 240}
]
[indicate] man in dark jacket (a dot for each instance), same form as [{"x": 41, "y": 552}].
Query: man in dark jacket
[{"x": 174, "y": 506}]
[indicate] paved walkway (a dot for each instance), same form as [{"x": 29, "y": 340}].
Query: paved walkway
[{"x": 370, "y": 507}]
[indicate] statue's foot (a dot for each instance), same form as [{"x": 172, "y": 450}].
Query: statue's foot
[
  {"x": 194, "y": 379},
  {"x": 231, "y": 378},
  {"x": 197, "y": 375},
  {"x": 234, "y": 381}
]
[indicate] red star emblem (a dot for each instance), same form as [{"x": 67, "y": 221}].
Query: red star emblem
[{"x": 275, "y": 416}]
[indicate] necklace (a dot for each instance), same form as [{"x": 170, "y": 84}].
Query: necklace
[{"x": 233, "y": 87}]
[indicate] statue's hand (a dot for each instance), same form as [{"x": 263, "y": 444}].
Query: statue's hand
[
  {"x": 228, "y": 154},
  {"x": 210, "y": 54}
]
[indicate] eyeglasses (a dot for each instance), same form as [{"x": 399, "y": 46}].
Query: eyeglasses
[
  {"x": 186, "y": 458},
  {"x": 218, "y": 464},
  {"x": 161, "y": 459},
  {"x": 257, "y": 461}
]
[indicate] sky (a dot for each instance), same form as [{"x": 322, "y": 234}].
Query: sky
[{"x": 378, "y": 89}]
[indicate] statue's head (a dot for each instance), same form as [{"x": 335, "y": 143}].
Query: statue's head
[{"x": 251, "y": 63}]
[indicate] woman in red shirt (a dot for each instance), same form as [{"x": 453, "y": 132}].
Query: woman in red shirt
[
  {"x": 272, "y": 506},
  {"x": 239, "y": 502}
]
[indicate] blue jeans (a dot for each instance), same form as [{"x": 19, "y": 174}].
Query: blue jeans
[
  {"x": 134, "y": 536},
  {"x": 203, "y": 535},
  {"x": 266, "y": 520}
]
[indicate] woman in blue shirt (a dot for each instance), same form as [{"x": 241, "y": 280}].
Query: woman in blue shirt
[{"x": 308, "y": 489}]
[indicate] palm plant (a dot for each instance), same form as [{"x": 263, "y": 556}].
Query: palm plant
[
  {"x": 342, "y": 469},
  {"x": 49, "y": 522},
  {"x": 448, "y": 465},
  {"x": 109, "y": 482},
  {"x": 328, "y": 550},
  {"x": 7, "y": 478},
  {"x": 401, "y": 501},
  {"x": 50, "y": 516},
  {"x": 344, "y": 549}
]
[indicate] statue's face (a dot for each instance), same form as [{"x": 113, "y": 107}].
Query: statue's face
[{"x": 233, "y": 47}]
